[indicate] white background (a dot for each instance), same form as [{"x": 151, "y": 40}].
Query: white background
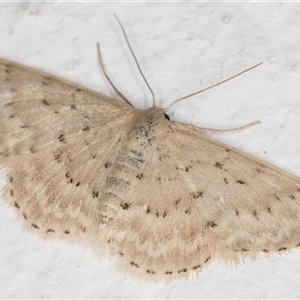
[{"x": 182, "y": 47}]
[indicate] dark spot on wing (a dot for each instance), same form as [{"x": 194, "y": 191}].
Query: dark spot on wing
[
  {"x": 218, "y": 165},
  {"x": 254, "y": 213},
  {"x": 207, "y": 260},
  {"x": 188, "y": 168},
  {"x": 57, "y": 157},
  {"x": 196, "y": 267},
  {"x": 211, "y": 224},
  {"x": 139, "y": 176},
  {"x": 125, "y": 206},
  {"x": 177, "y": 202},
  {"x": 32, "y": 150},
  {"x": 282, "y": 249},
  {"x": 134, "y": 264},
  {"x": 197, "y": 194},
  {"x": 182, "y": 270},
  {"x": 107, "y": 165},
  {"x": 45, "y": 102},
  {"x": 241, "y": 182},
  {"x": 277, "y": 197},
  {"x": 95, "y": 194},
  {"x": 70, "y": 181},
  {"x": 188, "y": 211},
  {"x": 62, "y": 138}
]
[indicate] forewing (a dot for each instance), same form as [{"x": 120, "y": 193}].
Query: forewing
[
  {"x": 56, "y": 139},
  {"x": 38, "y": 108},
  {"x": 250, "y": 205},
  {"x": 199, "y": 200}
]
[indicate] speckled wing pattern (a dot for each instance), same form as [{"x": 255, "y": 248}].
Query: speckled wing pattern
[
  {"x": 164, "y": 198},
  {"x": 54, "y": 141}
]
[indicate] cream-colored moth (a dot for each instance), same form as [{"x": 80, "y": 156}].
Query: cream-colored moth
[{"x": 161, "y": 196}]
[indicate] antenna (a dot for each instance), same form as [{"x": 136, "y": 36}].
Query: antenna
[
  {"x": 108, "y": 79},
  {"x": 136, "y": 61},
  {"x": 210, "y": 87}
]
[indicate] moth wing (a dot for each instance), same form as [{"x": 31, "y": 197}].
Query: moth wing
[
  {"x": 199, "y": 200},
  {"x": 57, "y": 140},
  {"x": 253, "y": 205},
  {"x": 37, "y": 108}
]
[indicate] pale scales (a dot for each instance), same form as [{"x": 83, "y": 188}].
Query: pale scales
[{"x": 173, "y": 195}]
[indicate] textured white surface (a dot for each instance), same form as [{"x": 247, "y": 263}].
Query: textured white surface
[{"x": 182, "y": 47}]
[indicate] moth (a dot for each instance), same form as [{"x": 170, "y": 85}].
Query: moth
[{"x": 160, "y": 196}]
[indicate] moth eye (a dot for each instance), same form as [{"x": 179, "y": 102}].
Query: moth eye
[{"x": 167, "y": 117}]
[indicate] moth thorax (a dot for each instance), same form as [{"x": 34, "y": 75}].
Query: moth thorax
[{"x": 146, "y": 122}]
